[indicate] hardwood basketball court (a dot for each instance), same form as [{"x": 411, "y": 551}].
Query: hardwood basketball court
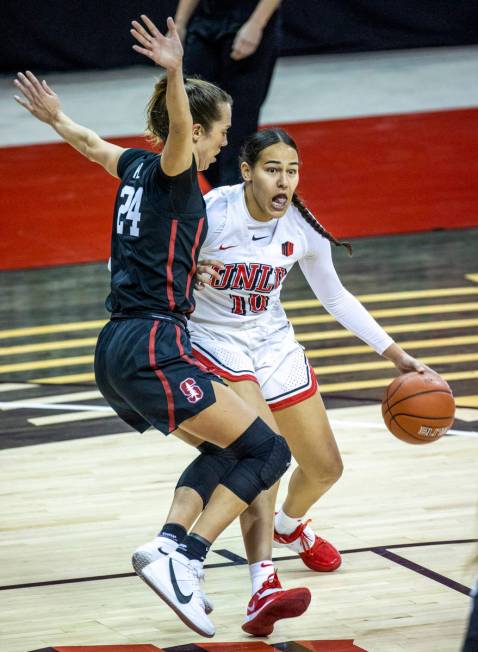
[{"x": 80, "y": 491}]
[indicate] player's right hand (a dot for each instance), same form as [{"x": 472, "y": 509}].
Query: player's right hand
[
  {"x": 37, "y": 98},
  {"x": 165, "y": 51}
]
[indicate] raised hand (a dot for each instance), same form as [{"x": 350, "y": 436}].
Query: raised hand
[
  {"x": 165, "y": 51},
  {"x": 38, "y": 98}
]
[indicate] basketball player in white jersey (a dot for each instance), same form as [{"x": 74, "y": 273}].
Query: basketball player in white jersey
[{"x": 239, "y": 330}]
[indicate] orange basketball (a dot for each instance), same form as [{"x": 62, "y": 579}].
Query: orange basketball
[{"x": 418, "y": 408}]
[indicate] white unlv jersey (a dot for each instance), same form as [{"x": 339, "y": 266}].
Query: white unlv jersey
[
  {"x": 251, "y": 281},
  {"x": 247, "y": 295}
]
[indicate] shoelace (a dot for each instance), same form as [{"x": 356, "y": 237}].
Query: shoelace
[
  {"x": 199, "y": 575},
  {"x": 271, "y": 582},
  {"x": 304, "y": 539}
]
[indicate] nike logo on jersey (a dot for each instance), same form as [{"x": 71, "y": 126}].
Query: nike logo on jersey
[
  {"x": 261, "y": 238},
  {"x": 223, "y": 248},
  {"x": 183, "y": 599},
  {"x": 137, "y": 171}
]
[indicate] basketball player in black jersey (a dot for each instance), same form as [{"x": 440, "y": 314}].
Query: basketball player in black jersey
[{"x": 143, "y": 363}]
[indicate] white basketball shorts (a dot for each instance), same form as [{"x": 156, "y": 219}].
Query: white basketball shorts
[{"x": 273, "y": 359}]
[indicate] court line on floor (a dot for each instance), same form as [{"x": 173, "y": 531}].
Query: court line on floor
[
  {"x": 32, "y": 405},
  {"x": 381, "y": 426},
  {"x": 422, "y": 570},
  {"x": 405, "y": 344},
  {"x": 392, "y": 312},
  {"x": 446, "y": 359},
  {"x": 324, "y": 387},
  {"x": 21, "y": 349},
  {"x": 13, "y": 387},
  {"x": 389, "y": 296},
  {"x": 53, "y": 401},
  {"x": 390, "y": 328},
  {"x": 291, "y": 305},
  {"x": 235, "y": 560},
  {"x": 41, "y": 347},
  {"x": 98, "y": 324}
]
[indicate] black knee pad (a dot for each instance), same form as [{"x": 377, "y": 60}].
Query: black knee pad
[
  {"x": 207, "y": 470},
  {"x": 263, "y": 458}
]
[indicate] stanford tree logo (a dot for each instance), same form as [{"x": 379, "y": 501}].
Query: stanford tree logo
[{"x": 191, "y": 390}]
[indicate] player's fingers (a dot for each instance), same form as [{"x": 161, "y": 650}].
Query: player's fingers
[
  {"x": 147, "y": 53},
  {"x": 25, "y": 86},
  {"x": 47, "y": 88},
  {"x": 145, "y": 41},
  {"x": 171, "y": 26},
  {"x": 213, "y": 273},
  {"x": 27, "y": 83},
  {"x": 237, "y": 54},
  {"x": 24, "y": 89},
  {"x": 212, "y": 261},
  {"x": 141, "y": 30},
  {"x": 34, "y": 82},
  {"x": 24, "y": 103},
  {"x": 147, "y": 38},
  {"x": 150, "y": 25}
]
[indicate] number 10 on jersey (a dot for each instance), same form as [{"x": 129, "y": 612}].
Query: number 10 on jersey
[
  {"x": 255, "y": 302},
  {"x": 129, "y": 210}
]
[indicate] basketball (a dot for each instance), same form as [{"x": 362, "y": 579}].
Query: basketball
[{"x": 418, "y": 408}]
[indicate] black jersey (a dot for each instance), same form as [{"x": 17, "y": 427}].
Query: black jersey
[{"x": 159, "y": 225}]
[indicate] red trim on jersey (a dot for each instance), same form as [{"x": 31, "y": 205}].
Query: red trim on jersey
[
  {"x": 188, "y": 358},
  {"x": 178, "y": 341},
  {"x": 159, "y": 374},
  {"x": 169, "y": 266},
  {"x": 219, "y": 371},
  {"x": 192, "y": 271},
  {"x": 296, "y": 398}
]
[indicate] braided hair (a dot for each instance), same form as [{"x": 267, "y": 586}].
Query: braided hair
[
  {"x": 310, "y": 218},
  {"x": 250, "y": 153}
]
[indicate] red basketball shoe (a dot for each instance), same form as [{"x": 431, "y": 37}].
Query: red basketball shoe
[
  {"x": 316, "y": 553},
  {"x": 270, "y": 603}
]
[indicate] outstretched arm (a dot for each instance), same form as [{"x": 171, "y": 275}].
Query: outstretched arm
[
  {"x": 44, "y": 104},
  {"x": 167, "y": 51},
  {"x": 323, "y": 279}
]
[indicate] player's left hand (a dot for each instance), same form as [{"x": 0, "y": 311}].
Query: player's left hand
[
  {"x": 247, "y": 41},
  {"x": 406, "y": 363},
  {"x": 165, "y": 51},
  {"x": 206, "y": 271},
  {"x": 38, "y": 98}
]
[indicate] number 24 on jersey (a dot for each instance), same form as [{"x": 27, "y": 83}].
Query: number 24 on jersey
[{"x": 129, "y": 210}]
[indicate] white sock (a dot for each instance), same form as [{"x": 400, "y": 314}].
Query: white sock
[
  {"x": 259, "y": 572},
  {"x": 285, "y": 524}
]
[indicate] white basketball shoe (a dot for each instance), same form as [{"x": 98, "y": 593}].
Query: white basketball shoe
[
  {"x": 158, "y": 548},
  {"x": 176, "y": 580}
]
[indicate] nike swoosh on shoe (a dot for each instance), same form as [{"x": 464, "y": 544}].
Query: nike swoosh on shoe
[{"x": 183, "y": 599}]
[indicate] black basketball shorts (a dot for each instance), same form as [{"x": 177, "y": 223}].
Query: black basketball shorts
[{"x": 146, "y": 371}]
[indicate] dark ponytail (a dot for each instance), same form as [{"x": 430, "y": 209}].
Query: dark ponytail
[
  {"x": 204, "y": 102},
  {"x": 250, "y": 153}
]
